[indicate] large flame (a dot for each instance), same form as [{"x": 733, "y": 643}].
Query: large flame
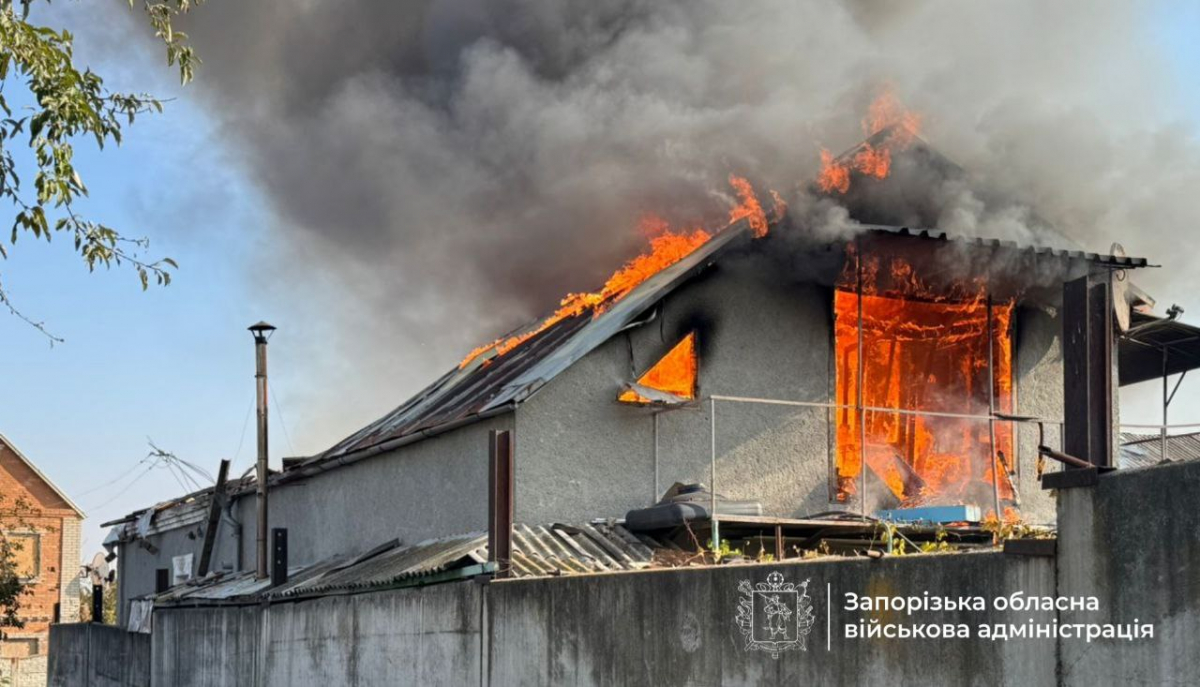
[
  {"x": 923, "y": 351},
  {"x": 667, "y": 247},
  {"x": 749, "y": 207},
  {"x": 674, "y": 373},
  {"x": 873, "y": 158}
]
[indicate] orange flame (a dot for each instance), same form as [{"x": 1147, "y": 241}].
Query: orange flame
[
  {"x": 834, "y": 176},
  {"x": 924, "y": 351},
  {"x": 667, "y": 247},
  {"x": 674, "y": 373},
  {"x": 885, "y": 114},
  {"x": 781, "y": 206},
  {"x": 749, "y": 207}
]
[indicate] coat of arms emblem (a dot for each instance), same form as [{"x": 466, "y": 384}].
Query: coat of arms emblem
[{"x": 774, "y": 616}]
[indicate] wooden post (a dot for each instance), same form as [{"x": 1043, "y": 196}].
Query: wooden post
[{"x": 500, "y": 501}]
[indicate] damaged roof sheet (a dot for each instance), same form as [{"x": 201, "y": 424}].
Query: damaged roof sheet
[
  {"x": 538, "y": 551},
  {"x": 1144, "y": 450}
]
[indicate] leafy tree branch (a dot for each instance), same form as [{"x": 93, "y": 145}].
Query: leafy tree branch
[{"x": 69, "y": 103}]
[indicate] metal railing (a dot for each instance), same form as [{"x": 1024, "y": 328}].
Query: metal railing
[{"x": 991, "y": 418}]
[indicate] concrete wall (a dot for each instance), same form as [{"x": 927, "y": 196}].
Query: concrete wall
[
  {"x": 1133, "y": 541},
  {"x": 677, "y": 627},
  {"x": 671, "y": 627},
  {"x": 429, "y": 636},
  {"x": 90, "y": 655}
]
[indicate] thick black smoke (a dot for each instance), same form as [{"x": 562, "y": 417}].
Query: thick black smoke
[{"x": 441, "y": 170}]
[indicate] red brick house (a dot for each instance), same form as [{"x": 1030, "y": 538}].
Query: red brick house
[{"x": 48, "y": 525}]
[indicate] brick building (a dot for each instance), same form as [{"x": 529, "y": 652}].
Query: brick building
[{"x": 36, "y": 512}]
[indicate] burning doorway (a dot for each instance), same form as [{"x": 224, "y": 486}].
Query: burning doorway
[{"x": 937, "y": 364}]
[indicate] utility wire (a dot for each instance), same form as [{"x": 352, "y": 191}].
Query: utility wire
[
  {"x": 120, "y": 477},
  {"x": 242, "y": 438},
  {"x": 279, "y": 414},
  {"x": 126, "y": 488}
]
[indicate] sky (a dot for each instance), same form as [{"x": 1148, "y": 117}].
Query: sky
[{"x": 175, "y": 365}]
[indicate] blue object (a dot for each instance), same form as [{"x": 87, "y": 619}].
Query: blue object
[{"x": 934, "y": 514}]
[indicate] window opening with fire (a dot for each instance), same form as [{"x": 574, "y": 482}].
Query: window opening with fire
[
  {"x": 674, "y": 375},
  {"x": 925, "y": 350}
]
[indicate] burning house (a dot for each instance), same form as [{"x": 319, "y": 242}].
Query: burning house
[{"x": 804, "y": 379}]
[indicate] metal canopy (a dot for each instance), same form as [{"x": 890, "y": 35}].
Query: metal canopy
[{"x": 1155, "y": 347}]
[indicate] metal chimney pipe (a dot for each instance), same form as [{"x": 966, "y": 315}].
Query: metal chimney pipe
[{"x": 261, "y": 331}]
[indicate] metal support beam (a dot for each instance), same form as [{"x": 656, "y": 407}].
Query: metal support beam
[
  {"x": 215, "y": 504},
  {"x": 500, "y": 501},
  {"x": 859, "y": 397},
  {"x": 657, "y": 493},
  {"x": 1088, "y": 369},
  {"x": 991, "y": 370},
  {"x": 712, "y": 473},
  {"x": 279, "y": 556},
  {"x": 98, "y": 603}
]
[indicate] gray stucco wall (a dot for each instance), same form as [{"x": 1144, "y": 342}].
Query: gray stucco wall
[
  {"x": 1039, "y": 391},
  {"x": 582, "y": 455},
  {"x": 433, "y": 488}
]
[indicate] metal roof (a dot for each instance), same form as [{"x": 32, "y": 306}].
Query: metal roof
[
  {"x": 1141, "y": 350},
  {"x": 1115, "y": 261},
  {"x": 538, "y": 551},
  {"x": 1144, "y": 450}
]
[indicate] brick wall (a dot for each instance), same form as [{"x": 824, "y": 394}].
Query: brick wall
[
  {"x": 69, "y": 594},
  {"x": 50, "y": 531}
]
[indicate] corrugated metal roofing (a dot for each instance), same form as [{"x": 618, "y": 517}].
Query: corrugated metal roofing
[
  {"x": 1144, "y": 450},
  {"x": 537, "y": 552},
  {"x": 1116, "y": 261}
]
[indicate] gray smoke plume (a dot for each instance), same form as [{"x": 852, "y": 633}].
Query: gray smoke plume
[{"x": 442, "y": 170}]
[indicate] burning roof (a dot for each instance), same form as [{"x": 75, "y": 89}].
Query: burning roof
[
  {"x": 487, "y": 386},
  {"x": 496, "y": 377}
]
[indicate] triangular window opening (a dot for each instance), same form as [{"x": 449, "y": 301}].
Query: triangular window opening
[{"x": 673, "y": 374}]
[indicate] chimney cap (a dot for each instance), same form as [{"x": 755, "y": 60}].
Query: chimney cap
[{"x": 261, "y": 330}]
